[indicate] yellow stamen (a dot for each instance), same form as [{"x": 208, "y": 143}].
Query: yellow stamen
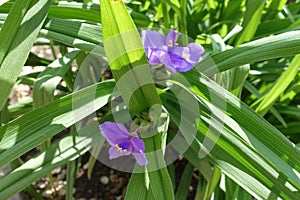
[
  {"x": 184, "y": 57},
  {"x": 120, "y": 149},
  {"x": 170, "y": 43},
  {"x": 175, "y": 31}
]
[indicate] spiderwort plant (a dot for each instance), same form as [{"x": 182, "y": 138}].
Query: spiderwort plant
[
  {"x": 165, "y": 50},
  {"x": 122, "y": 142}
]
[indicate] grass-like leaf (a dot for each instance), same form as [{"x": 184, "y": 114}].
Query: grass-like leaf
[
  {"x": 278, "y": 46},
  {"x": 279, "y": 87},
  {"x": 251, "y": 20},
  {"x": 60, "y": 153},
  {"x": 244, "y": 150},
  {"x": 125, "y": 52},
  {"x": 33, "y": 128},
  {"x": 44, "y": 86},
  {"x": 16, "y": 39}
]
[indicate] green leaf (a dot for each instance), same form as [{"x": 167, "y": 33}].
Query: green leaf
[
  {"x": 16, "y": 39},
  {"x": 275, "y": 6},
  {"x": 184, "y": 184},
  {"x": 234, "y": 191},
  {"x": 44, "y": 86},
  {"x": 175, "y": 5},
  {"x": 254, "y": 91},
  {"x": 282, "y": 45},
  {"x": 251, "y": 21},
  {"x": 157, "y": 180},
  {"x": 4, "y": 114},
  {"x": 233, "y": 79},
  {"x": 291, "y": 111},
  {"x": 76, "y": 34},
  {"x": 71, "y": 176},
  {"x": 127, "y": 58},
  {"x": 232, "y": 8},
  {"x": 75, "y": 10},
  {"x": 290, "y": 129},
  {"x": 3, "y": 2},
  {"x": 279, "y": 87},
  {"x": 161, "y": 185},
  {"x": 60, "y": 153},
  {"x": 276, "y": 26},
  {"x": 212, "y": 183},
  {"x": 81, "y": 11},
  {"x": 138, "y": 189},
  {"x": 28, "y": 131},
  {"x": 77, "y": 30},
  {"x": 67, "y": 10},
  {"x": 200, "y": 188},
  {"x": 20, "y": 108},
  {"x": 130, "y": 68},
  {"x": 249, "y": 150}
]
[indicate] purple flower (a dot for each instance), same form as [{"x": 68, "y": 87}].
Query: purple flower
[
  {"x": 122, "y": 143},
  {"x": 165, "y": 50}
]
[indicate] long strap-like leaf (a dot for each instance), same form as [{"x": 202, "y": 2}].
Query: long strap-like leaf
[
  {"x": 283, "y": 45},
  {"x": 131, "y": 71},
  {"x": 16, "y": 39},
  {"x": 31, "y": 129}
]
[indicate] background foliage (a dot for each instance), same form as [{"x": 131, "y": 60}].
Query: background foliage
[{"x": 253, "y": 67}]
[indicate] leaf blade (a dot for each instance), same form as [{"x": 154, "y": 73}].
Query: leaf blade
[{"x": 16, "y": 39}]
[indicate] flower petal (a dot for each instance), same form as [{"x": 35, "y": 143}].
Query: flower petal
[
  {"x": 176, "y": 58},
  {"x": 171, "y": 38},
  {"x": 182, "y": 52},
  {"x": 152, "y": 39},
  {"x": 137, "y": 144},
  {"x": 195, "y": 51},
  {"x": 138, "y": 150},
  {"x": 140, "y": 158},
  {"x": 183, "y": 66},
  {"x": 115, "y": 153},
  {"x": 167, "y": 61},
  {"x": 153, "y": 56},
  {"x": 181, "y": 58},
  {"x": 114, "y": 132},
  {"x": 176, "y": 62}
]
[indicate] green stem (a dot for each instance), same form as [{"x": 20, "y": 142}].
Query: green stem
[
  {"x": 52, "y": 49},
  {"x": 4, "y": 114},
  {"x": 71, "y": 170},
  {"x": 182, "y": 22},
  {"x": 166, "y": 14}
]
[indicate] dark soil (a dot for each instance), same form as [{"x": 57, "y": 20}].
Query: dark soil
[
  {"x": 105, "y": 183},
  {"x": 116, "y": 188}
]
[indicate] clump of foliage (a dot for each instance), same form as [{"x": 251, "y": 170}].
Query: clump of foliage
[{"x": 234, "y": 115}]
